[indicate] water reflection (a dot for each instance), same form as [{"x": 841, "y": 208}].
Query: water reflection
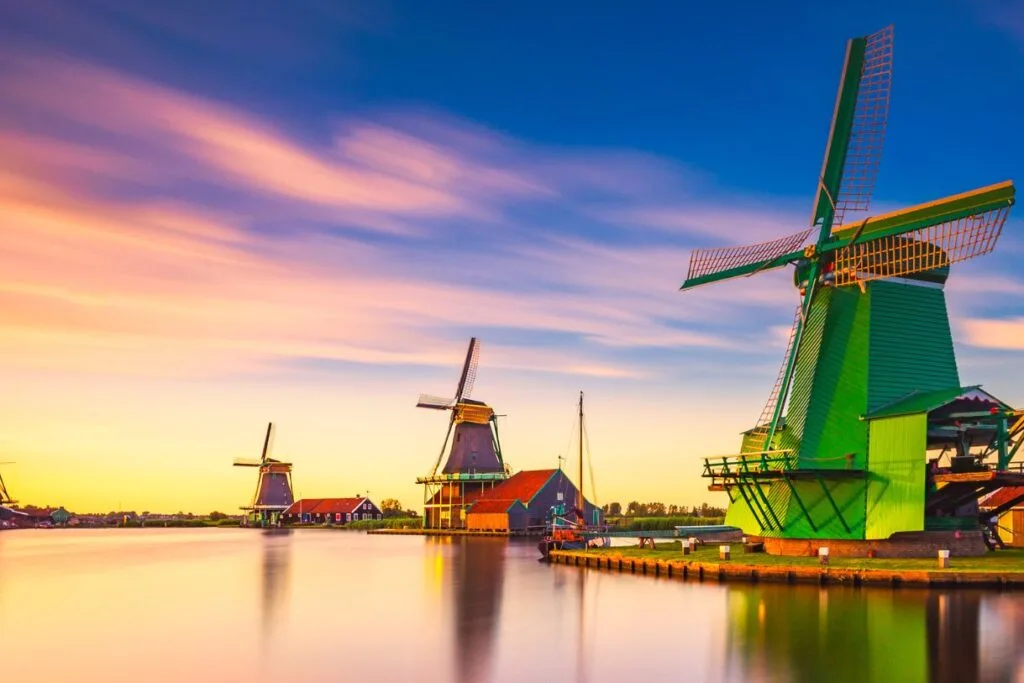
[
  {"x": 277, "y": 549},
  {"x": 778, "y": 633},
  {"x": 228, "y": 606},
  {"x": 478, "y": 575}
]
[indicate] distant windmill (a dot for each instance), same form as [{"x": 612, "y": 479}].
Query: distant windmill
[
  {"x": 474, "y": 461},
  {"x": 274, "y": 486},
  {"x": 5, "y": 497}
]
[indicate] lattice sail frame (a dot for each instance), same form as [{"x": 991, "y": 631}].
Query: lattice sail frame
[
  {"x": 705, "y": 262},
  {"x": 867, "y": 133},
  {"x": 756, "y": 442},
  {"x": 470, "y": 377},
  {"x": 922, "y": 250}
]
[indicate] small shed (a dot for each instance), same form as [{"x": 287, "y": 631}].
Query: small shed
[
  {"x": 497, "y": 515},
  {"x": 1007, "y": 506}
]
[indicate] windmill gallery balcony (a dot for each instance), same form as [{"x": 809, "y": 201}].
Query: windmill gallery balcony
[{"x": 462, "y": 476}]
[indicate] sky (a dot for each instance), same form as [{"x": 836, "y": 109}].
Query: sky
[{"x": 216, "y": 216}]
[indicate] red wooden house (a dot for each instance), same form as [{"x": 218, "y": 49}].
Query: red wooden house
[{"x": 338, "y": 511}]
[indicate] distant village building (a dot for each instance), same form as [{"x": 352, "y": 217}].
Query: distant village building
[
  {"x": 10, "y": 517},
  {"x": 338, "y": 511},
  {"x": 524, "y": 501},
  {"x": 60, "y": 516}
]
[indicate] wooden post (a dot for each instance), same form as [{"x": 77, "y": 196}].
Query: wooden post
[
  {"x": 723, "y": 552},
  {"x": 943, "y": 559}
]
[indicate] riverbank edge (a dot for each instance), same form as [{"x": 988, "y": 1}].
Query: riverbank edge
[
  {"x": 749, "y": 573},
  {"x": 454, "y": 532}
]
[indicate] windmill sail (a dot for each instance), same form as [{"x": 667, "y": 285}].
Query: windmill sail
[
  {"x": 924, "y": 237},
  {"x": 756, "y": 439},
  {"x": 434, "y": 402},
  {"x": 5, "y": 497},
  {"x": 468, "y": 376},
  {"x": 867, "y": 132},
  {"x": 268, "y": 442},
  {"x": 854, "y": 148},
  {"x": 722, "y": 263}
]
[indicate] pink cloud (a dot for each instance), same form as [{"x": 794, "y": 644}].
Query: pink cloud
[
  {"x": 372, "y": 169},
  {"x": 1005, "y": 334},
  {"x": 154, "y": 285}
]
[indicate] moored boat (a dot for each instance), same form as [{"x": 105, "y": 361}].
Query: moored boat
[{"x": 568, "y": 530}]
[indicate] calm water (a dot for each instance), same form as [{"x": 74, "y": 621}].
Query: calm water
[{"x": 230, "y": 605}]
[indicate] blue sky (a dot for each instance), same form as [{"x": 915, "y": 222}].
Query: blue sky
[{"x": 250, "y": 202}]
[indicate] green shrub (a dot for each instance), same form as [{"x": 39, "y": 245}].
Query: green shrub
[{"x": 388, "y": 523}]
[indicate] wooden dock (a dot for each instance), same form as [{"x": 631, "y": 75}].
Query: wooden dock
[{"x": 737, "y": 570}]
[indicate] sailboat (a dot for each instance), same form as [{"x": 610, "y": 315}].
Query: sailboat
[{"x": 562, "y": 533}]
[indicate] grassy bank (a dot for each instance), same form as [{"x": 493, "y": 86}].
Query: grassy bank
[
  {"x": 660, "y": 523},
  {"x": 389, "y": 523},
  {"x": 1002, "y": 561}
]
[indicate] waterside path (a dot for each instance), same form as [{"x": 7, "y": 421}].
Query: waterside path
[{"x": 1003, "y": 569}]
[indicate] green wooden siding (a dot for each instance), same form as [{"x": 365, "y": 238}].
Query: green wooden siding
[
  {"x": 740, "y": 514},
  {"x": 895, "y": 500},
  {"x": 833, "y": 427},
  {"x": 848, "y": 496},
  {"x": 860, "y": 351},
  {"x": 911, "y": 344}
]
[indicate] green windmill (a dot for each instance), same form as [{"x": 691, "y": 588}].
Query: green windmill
[{"x": 868, "y": 430}]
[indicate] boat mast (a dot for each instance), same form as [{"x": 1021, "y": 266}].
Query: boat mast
[{"x": 579, "y": 492}]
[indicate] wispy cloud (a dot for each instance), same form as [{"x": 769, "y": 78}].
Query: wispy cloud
[{"x": 156, "y": 231}]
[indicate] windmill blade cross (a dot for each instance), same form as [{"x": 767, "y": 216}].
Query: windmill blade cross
[
  {"x": 242, "y": 462},
  {"x": 724, "y": 263},
  {"x": 854, "y": 149},
  {"x": 923, "y": 237},
  {"x": 468, "y": 376},
  {"x": 434, "y": 402},
  {"x": 268, "y": 442}
]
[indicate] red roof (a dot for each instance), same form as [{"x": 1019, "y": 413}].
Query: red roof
[
  {"x": 488, "y": 505},
  {"x": 523, "y": 485},
  {"x": 324, "y": 506},
  {"x": 1003, "y": 496}
]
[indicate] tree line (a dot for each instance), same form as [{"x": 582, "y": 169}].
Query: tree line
[{"x": 638, "y": 509}]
